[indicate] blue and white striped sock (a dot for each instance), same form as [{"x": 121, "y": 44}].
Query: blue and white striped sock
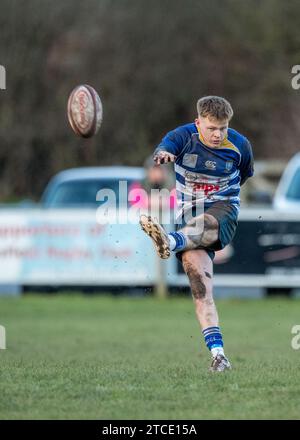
[
  {"x": 213, "y": 340},
  {"x": 177, "y": 241}
]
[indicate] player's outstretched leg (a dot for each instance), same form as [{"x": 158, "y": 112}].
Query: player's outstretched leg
[{"x": 158, "y": 235}]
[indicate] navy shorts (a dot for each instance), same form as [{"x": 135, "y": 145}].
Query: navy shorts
[{"x": 227, "y": 216}]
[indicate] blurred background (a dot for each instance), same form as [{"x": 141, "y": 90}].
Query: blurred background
[
  {"x": 150, "y": 62},
  {"x": 84, "y": 356}
]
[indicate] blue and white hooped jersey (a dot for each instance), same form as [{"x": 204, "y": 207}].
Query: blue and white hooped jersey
[{"x": 205, "y": 174}]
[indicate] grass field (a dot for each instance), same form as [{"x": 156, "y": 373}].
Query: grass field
[{"x": 101, "y": 357}]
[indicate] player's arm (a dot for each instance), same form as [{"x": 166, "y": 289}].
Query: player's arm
[
  {"x": 169, "y": 148},
  {"x": 247, "y": 163}
]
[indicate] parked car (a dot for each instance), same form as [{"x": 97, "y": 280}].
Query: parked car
[
  {"x": 287, "y": 195},
  {"x": 78, "y": 187}
]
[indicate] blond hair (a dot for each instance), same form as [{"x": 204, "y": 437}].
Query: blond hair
[{"x": 214, "y": 106}]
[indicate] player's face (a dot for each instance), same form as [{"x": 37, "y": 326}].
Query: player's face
[{"x": 212, "y": 130}]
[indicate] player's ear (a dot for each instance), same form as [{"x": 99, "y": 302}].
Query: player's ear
[{"x": 197, "y": 122}]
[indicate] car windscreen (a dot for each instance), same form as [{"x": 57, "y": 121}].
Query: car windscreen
[
  {"x": 293, "y": 192},
  {"x": 84, "y": 192}
]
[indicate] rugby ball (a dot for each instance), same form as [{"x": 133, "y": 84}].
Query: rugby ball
[{"x": 85, "y": 111}]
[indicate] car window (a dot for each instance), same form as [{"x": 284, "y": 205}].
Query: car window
[
  {"x": 294, "y": 187},
  {"x": 83, "y": 192}
]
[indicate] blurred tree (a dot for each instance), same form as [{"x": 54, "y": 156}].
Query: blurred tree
[{"x": 150, "y": 61}]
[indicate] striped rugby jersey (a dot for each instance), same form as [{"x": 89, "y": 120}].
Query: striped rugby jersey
[{"x": 205, "y": 174}]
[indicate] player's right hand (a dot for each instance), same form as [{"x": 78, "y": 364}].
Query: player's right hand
[{"x": 163, "y": 157}]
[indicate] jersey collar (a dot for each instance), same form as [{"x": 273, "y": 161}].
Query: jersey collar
[{"x": 225, "y": 144}]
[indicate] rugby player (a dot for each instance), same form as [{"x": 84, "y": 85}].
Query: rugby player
[{"x": 211, "y": 161}]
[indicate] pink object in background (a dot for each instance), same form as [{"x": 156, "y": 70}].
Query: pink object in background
[{"x": 141, "y": 199}]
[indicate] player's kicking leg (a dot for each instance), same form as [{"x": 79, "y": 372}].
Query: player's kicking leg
[{"x": 201, "y": 231}]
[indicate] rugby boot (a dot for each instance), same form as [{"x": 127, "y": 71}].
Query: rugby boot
[
  {"x": 158, "y": 235},
  {"x": 220, "y": 363}
]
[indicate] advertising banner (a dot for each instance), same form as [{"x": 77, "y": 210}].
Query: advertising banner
[{"x": 70, "y": 247}]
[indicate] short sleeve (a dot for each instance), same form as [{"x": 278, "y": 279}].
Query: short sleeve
[
  {"x": 173, "y": 142},
  {"x": 247, "y": 162}
]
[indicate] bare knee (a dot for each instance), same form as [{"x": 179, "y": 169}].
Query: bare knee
[
  {"x": 211, "y": 228},
  {"x": 201, "y": 231}
]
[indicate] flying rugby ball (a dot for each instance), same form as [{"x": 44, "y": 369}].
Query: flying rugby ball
[{"x": 85, "y": 111}]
